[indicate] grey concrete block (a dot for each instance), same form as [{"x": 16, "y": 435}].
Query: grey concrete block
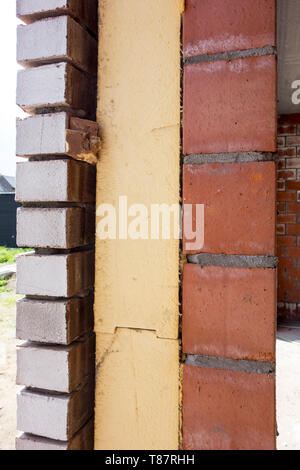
[
  {"x": 85, "y": 11},
  {"x": 63, "y": 228},
  {"x": 59, "y": 275},
  {"x": 46, "y": 134},
  {"x": 52, "y": 415},
  {"x": 42, "y": 134},
  {"x": 55, "y": 181},
  {"x": 58, "y": 39},
  {"x": 83, "y": 440},
  {"x": 54, "y": 321},
  {"x": 55, "y": 368},
  {"x": 56, "y": 86}
]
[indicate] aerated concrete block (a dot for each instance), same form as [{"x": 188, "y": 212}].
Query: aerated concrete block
[
  {"x": 46, "y": 134},
  {"x": 55, "y": 368},
  {"x": 55, "y": 181},
  {"x": 84, "y": 11},
  {"x": 83, "y": 440},
  {"x": 55, "y": 228},
  {"x": 56, "y": 86},
  {"x": 59, "y": 275},
  {"x": 58, "y": 39},
  {"x": 54, "y": 321},
  {"x": 52, "y": 415}
]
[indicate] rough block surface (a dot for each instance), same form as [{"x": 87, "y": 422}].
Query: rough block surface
[
  {"x": 84, "y": 11},
  {"x": 83, "y": 440},
  {"x": 55, "y": 416},
  {"x": 229, "y": 312},
  {"x": 56, "y": 86},
  {"x": 55, "y": 275},
  {"x": 213, "y": 26},
  {"x": 228, "y": 410},
  {"x": 35, "y": 44},
  {"x": 230, "y": 106},
  {"x": 54, "y": 321},
  {"x": 55, "y": 181},
  {"x": 239, "y": 206},
  {"x": 55, "y": 227},
  {"x": 53, "y": 130},
  {"x": 55, "y": 368}
]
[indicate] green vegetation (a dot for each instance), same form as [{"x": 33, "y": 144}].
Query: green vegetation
[
  {"x": 8, "y": 312},
  {"x": 3, "y": 285},
  {"x": 8, "y": 255}
]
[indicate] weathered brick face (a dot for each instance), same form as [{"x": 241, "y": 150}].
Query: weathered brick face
[{"x": 288, "y": 218}]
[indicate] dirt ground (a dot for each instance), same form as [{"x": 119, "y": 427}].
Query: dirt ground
[{"x": 8, "y": 368}]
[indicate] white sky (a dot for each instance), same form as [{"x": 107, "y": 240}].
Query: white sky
[{"x": 8, "y": 110}]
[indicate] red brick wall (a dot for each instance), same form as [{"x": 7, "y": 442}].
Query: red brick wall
[
  {"x": 229, "y": 286},
  {"x": 288, "y": 219}
]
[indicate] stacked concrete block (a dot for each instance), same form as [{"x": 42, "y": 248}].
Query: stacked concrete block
[
  {"x": 82, "y": 440},
  {"x": 38, "y": 365},
  {"x": 55, "y": 181},
  {"x": 229, "y": 283},
  {"x": 84, "y": 11},
  {"x": 72, "y": 44},
  {"x": 54, "y": 416},
  {"x": 54, "y": 321},
  {"x": 61, "y": 134},
  {"x": 56, "y": 86},
  {"x": 55, "y": 364}
]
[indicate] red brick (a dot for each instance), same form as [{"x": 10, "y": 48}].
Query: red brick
[
  {"x": 287, "y": 129},
  {"x": 220, "y": 97},
  {"x": 280, "y": 251},
  {"x": 280, "y": 295},
  {"x": 281, "y": 185},
  {"x": 286, "y": 174},
  {"x": 286, "y": 263},
  {"x": 292, "y": 296},
  {"x": 287, "y": 285},
  {"x": 292, "y": 163},
  {"x": 293, "y": 274},
  {"x": 291, "y": 251},
  {"x": 228, "y": 410},
  {"x": 284, "y": 196},
  {"x": 281, "y": 273},
  {"x": 286, "y": 241},
  {"x": 293, "y": 185},
  {"x": 286, "y": 219},
  {"x": 281, "y": 207},
  {"x": 293, "y": 207},
  {"x": 289, "y": 119},
  {"x": 293, "y": 140},
  {"x": 212, "y": 26},
  {"x": 229, "y": 312},
  {"x": 293, "y": 229},
  {"x": 287, "y": 152},
  {"x": 280, "y": 141},
  {"x": 239, "y": 204},
  {"x": 280, "y": 229},
  {"x": 288, "y": 311},
  {"x": 280, "y": 163}
]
